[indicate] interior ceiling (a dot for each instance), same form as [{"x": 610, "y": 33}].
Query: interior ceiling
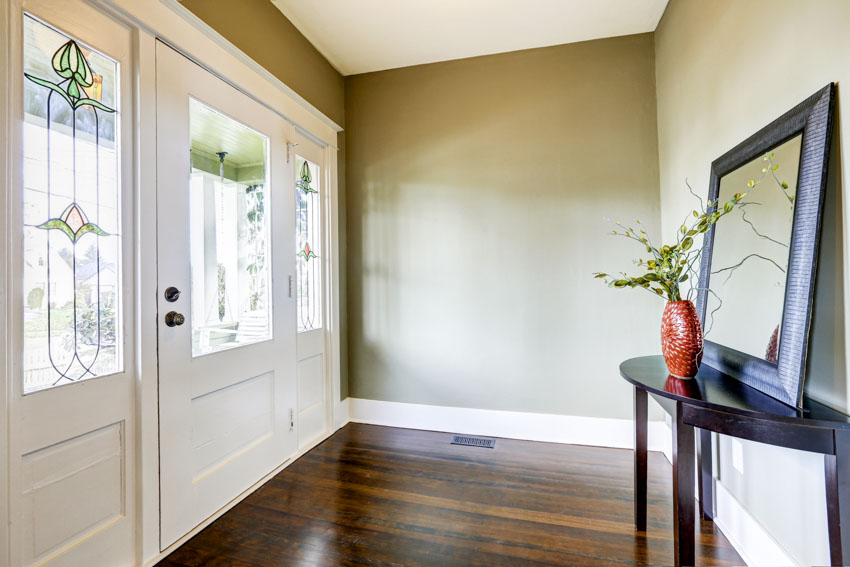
[{"x": 359, "y": 36}]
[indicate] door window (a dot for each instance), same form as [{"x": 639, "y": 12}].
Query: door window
[
  {"x": 71, "y": 206},
  {"x": 228, "y": 226},
  {"x": 308, "y": 242}
]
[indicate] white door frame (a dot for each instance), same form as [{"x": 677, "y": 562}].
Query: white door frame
[
  {"x": 148, "y": 21},
  {"x": 5, "y": 200}
]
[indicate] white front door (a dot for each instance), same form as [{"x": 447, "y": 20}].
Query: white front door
[
  {"x": 310, "y": 290},
  {"x": 225, "y": 218},
  {"x": 72, "y": 436}
]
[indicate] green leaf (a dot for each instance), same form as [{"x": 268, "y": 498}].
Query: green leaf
[
  {"x": 87, "y": 228},
  {"x": 62, "y": 60},
  {"x": 73, "y": 90},
  {"x": 684, "y": 278},
  {"x": 51, "y": 86},
  {"x": 58, "y": 224},
  {"x": 92, "y": 102}
]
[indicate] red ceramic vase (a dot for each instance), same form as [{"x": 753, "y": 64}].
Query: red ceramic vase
[{"x": 681, "y": 339}]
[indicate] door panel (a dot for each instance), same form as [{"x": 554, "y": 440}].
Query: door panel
[
  {"x": 225, "y": 235},
  {"x": 72, "y": 448},
  {"x": 310, "y": 291}
]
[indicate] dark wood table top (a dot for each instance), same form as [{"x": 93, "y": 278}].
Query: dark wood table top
[{"x": 715, "y": 390}]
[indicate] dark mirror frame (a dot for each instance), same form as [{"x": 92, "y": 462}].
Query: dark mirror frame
[{"x": 784, "y": 380}]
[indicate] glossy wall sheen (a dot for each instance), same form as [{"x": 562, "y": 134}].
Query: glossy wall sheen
[
  {"x": 724, "y": 70},
  {"x": 269, "y": 38},
  {"x": 480, "y": 192}
]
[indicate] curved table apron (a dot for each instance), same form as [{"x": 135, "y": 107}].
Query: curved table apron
[{"x": 713, "y": 401}]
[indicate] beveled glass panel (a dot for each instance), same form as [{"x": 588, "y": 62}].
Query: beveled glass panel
[
  {"x": 228, "y": 224},
  {"x": 71, "y": 211}
]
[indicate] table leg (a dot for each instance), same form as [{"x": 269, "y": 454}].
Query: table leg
[
  {"x": 706, "y": 484},
  {"x": 640, "y": 458},
  {"x": 683, "y": 490},
  {"x": 837, "y": 469}
]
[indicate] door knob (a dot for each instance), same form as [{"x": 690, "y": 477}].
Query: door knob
[
  {"x": 174, "y": 319},
  {"x": 172, "y": 294}
]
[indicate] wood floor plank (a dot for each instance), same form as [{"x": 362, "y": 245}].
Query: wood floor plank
[{"x": 384, "y": 496}]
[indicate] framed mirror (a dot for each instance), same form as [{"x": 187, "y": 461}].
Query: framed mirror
[{"x": 758, "y": 267}]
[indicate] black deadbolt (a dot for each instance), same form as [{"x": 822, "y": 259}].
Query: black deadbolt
[{"x": 172, "y": 294}]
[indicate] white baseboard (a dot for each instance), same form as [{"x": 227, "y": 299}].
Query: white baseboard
[
  {"x": 573, "y": 430},
  {"x": 752, "y": 542}
]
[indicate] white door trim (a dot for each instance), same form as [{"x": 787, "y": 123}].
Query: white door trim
[
  {"x": 333, "y": 333},
  {"x": 147, "y": 387},
  {"x": 5, "y": 199}
]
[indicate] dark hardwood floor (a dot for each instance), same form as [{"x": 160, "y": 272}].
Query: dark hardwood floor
[{"x": 374, "y": 495}]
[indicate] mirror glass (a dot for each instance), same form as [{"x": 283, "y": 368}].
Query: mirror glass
[{"x": 751, "y": 251}]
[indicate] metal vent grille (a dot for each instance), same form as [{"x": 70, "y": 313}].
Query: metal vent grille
[{"x": 473, "y": 441}]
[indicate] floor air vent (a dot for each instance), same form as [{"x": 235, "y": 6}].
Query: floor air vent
[{"x": 473, "y": 441}]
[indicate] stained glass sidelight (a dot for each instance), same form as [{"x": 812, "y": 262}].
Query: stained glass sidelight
[
  {"x": 308, "y": 242},
  {"x": 71, "y": 244}
]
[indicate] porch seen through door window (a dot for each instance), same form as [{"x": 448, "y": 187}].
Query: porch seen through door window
[{"x": 228, "y": 224}]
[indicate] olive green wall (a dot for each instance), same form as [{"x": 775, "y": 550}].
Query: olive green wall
[
  {"x": 725, "y": 69},
  {"x": 260, "y": 30},
  {"x": 480, "y": 192}
]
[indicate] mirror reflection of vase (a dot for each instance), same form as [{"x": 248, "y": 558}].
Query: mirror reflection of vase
[
  {"x": 684, "y": 387},
  {"x": 772, "y": 353}
]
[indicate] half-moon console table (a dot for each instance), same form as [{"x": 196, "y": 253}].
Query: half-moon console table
[{"x": 714, "y": 401}]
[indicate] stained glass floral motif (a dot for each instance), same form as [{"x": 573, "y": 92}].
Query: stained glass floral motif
[
  {"x": 73, "y": 223},
  {"x": 308, "y": 231},
  {"x": 306, "y": 253},
  {"x": 304, "y": 179},
  {"x": 72, "y": 278},
  {"x": 70, "y": 64}
]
